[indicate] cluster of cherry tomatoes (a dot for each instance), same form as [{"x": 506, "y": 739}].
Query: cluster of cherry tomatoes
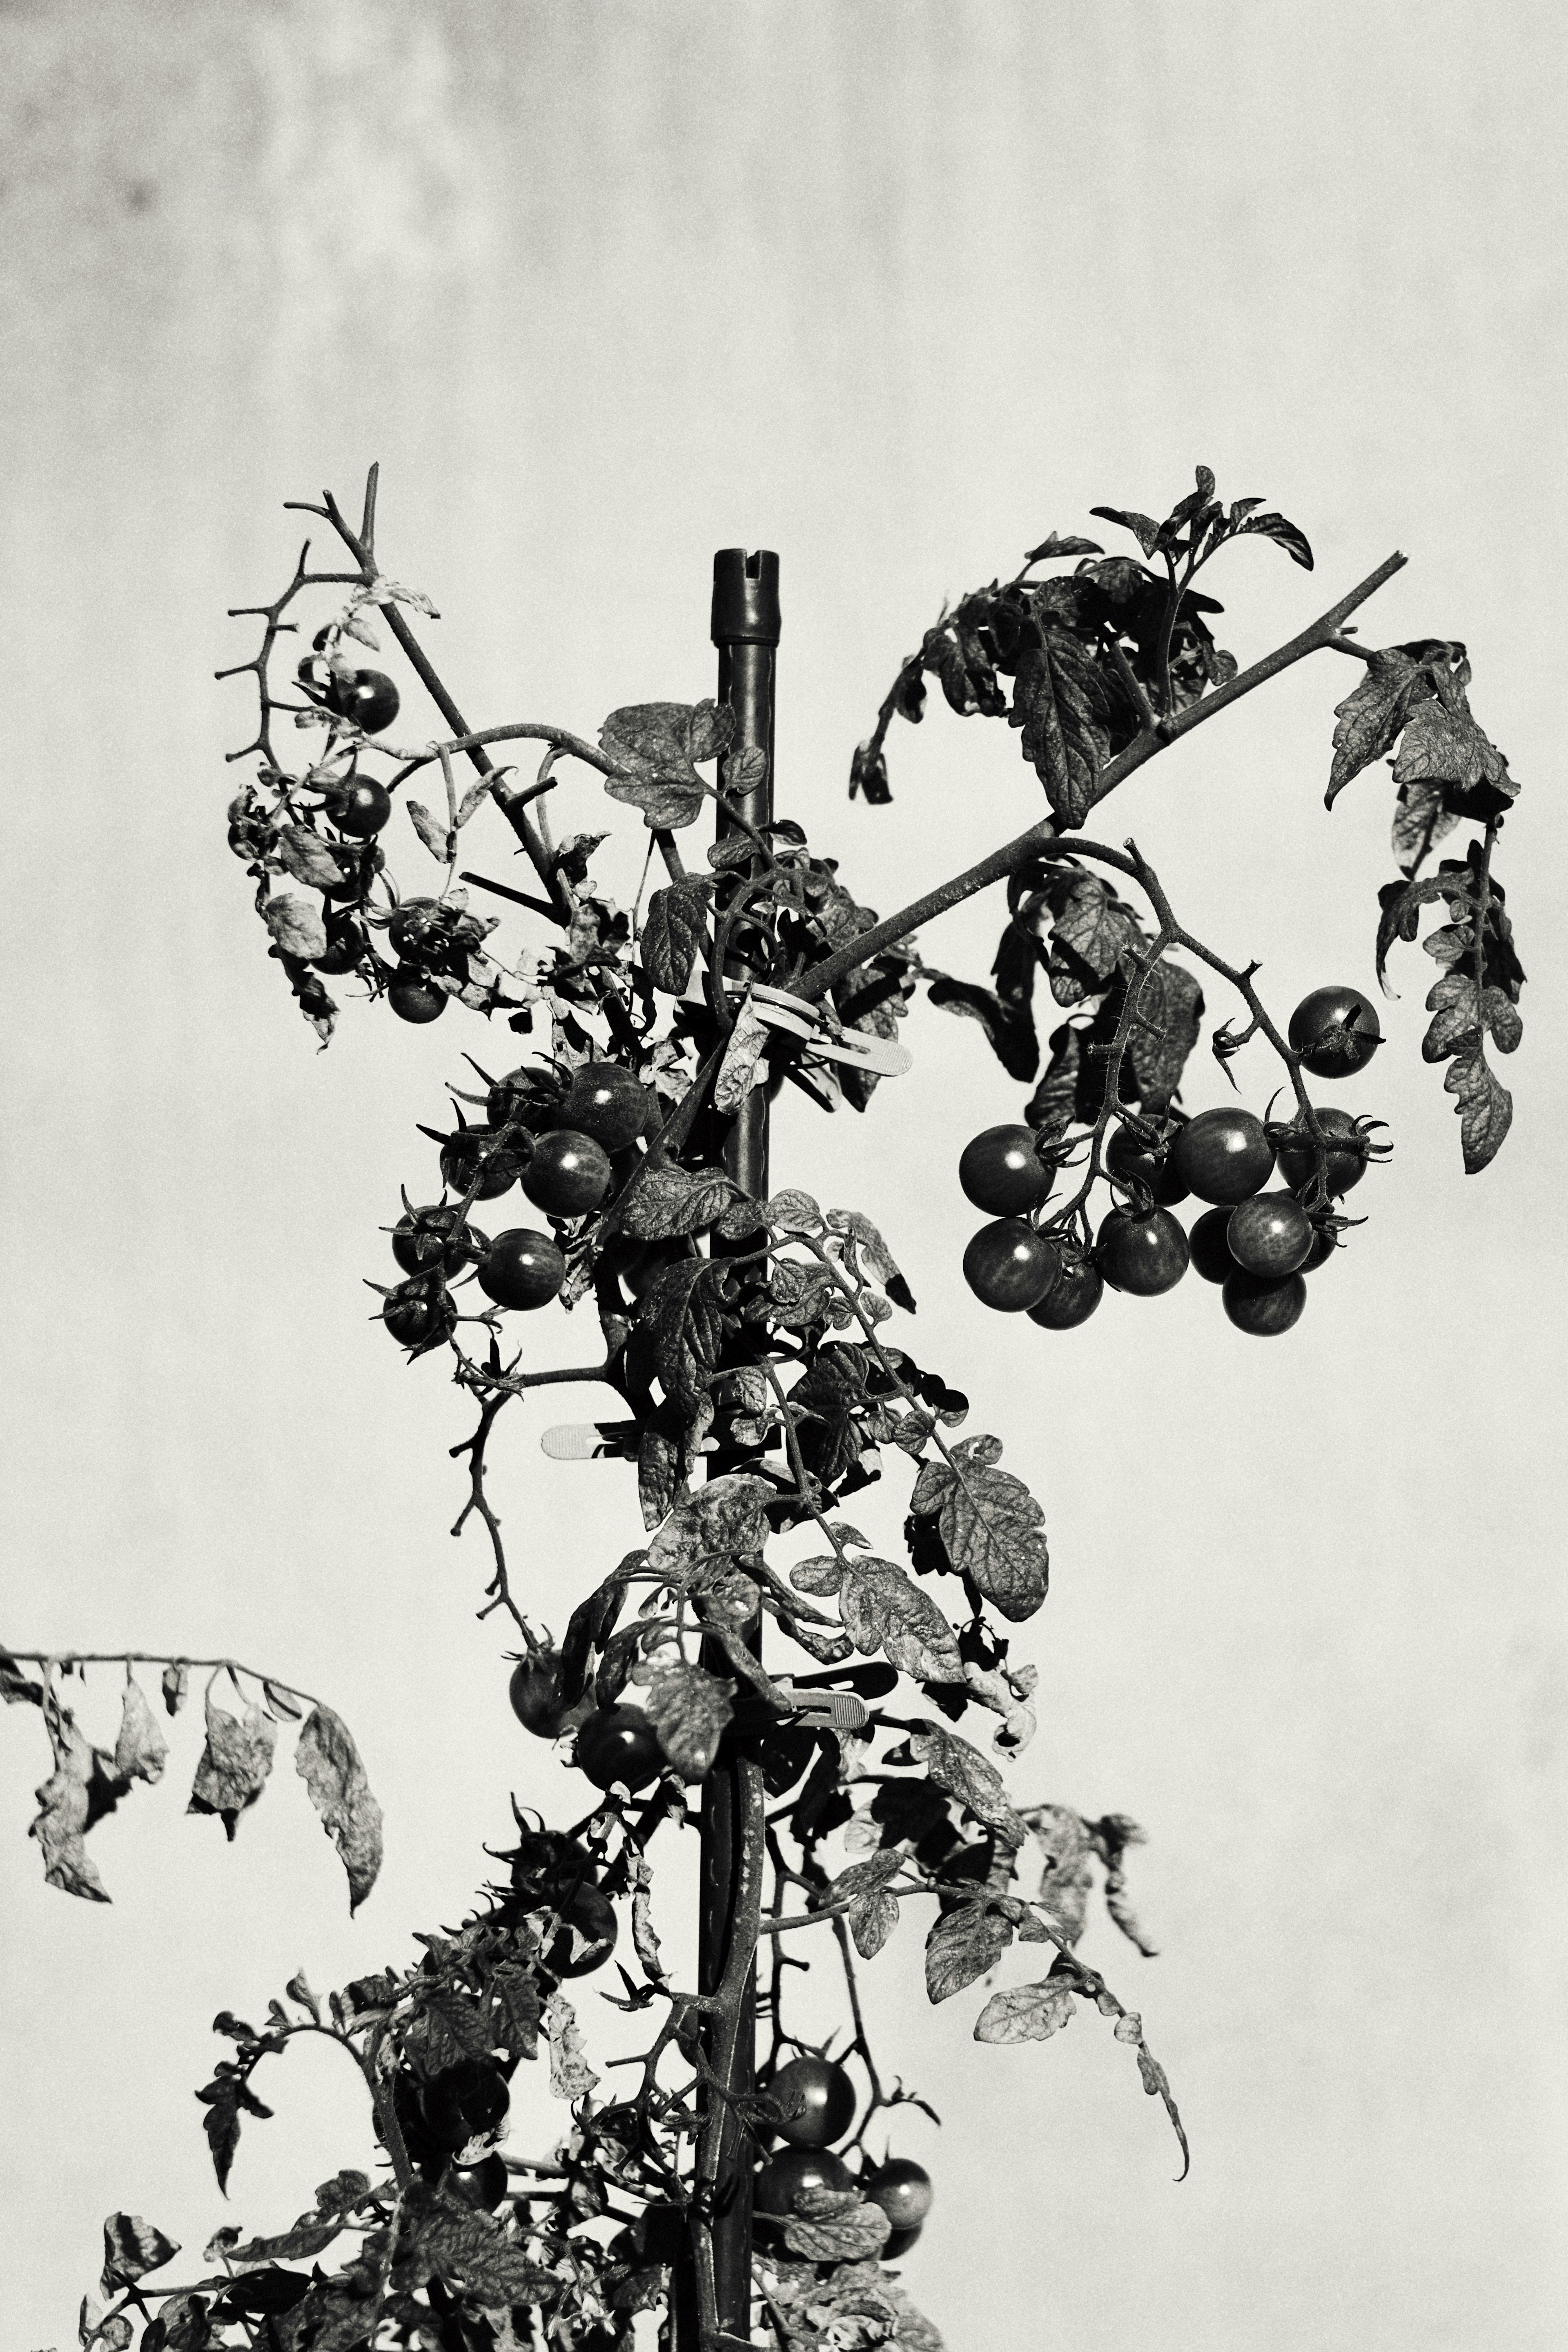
[
  {"x": 816, "y": 2102},
  {"x": 1258, "y": 1245},
  {"x": 569, "y": 1171}
]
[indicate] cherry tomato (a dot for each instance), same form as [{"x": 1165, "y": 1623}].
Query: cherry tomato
[
  {"x": 1001, "y": 1171},
  {"x": 1071, "y": 1298},
  {"x": 419, "y": 1314},
  {"x": 903, "y": 2188},
  {"x": 413, "y": 995},
  {"x": 534, "y": 1691},
  {"x": 586, "y": 1936},
  {"x": 1262, "y": 1304},
  {"x": 606, "y": 1102},
  {"x": 427, "y": 1240},
  {"x": 1126, "y": 1157},
  {"x": 1335, "y": 1032},
  {"x": 419, "y": 929},
  {"x": 463, "y": 2101},
  {"x": 1010, "y": 1266},
  {"x": 361, "y": 807},
  {"x": 363, "y": 869},
  {"x": 816, "y": 2100},
  {"x": 1223, "y": 1155},
  {"x": 897, "y": 2243},
  {"x": 568, "y": 1175},
  {"x": 1145, "y": 1255},
  {"x": 619, "y": 1744},
  {"x": 1298, "y": 1154},
  {"x": 1324, "y": 1247},
  {"x": 345, "y": 948},
  {"x": 523, "y": 1270},
  {"x": 481, "y": 2185},
  {"x": 368, "y": 697},
  {"x": 1208, "y": 1246},
  {"x": 546, "y": 1863},
  {"x": 782, "y": 2179},
  {"x": 1271, "y": 1233},
  {"x": 473, "y": 1151}
]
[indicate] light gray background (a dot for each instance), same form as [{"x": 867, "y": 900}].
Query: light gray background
[{"x": 894, "y": 289}]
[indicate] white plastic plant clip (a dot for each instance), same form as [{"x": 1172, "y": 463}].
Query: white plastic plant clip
[
  {"x": 825, "y": 1034},
  {"x": 598, "y": 1440},
  {"x": 839, "y": 1710}
]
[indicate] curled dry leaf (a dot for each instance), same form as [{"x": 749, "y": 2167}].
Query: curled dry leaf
[
  {"x": 141, "y": 1751},
  {"x": 234, "y": 1764},
  {"x": 571, "y": 2076},
  {"x": 329, "y": 1763},
  {"x": 63, "y": 1812}
]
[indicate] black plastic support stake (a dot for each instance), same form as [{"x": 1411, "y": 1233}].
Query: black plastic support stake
[{"x": 746, "y": 633}]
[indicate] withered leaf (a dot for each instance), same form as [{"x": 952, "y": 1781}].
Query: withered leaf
[
  {"x": 234, "y": 1764},
  {"x": 309, "y": 858},
  {"x": 175, "y": 1685},
  {"x": 63, "y": 1810},
  {"x": 571, "y": 2076},
  {"x": 140, "y": 1749},
  {"x": 296, "y": 924},
  {"x": 329, "y": 1763}
]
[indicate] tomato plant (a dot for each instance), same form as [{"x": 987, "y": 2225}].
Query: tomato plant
[{"x": 750, "y": 1337}]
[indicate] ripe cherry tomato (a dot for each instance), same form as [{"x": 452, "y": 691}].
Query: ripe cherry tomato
[
  {"x": 903, "y": 2188},
  {"x": 1071, "y": 1298},
  {"x": 605, "y": 1102},
  {"x": 413, "y": 995},
  {"x": 464, "y": 2100},
  {"x": 427, "y": 1240},
  {"x": 780, "y": 2180},
  {"x": 1262, "y": 1304},
  {"x": 619, "y": 1744},
  {"x": 473, "y": 1151},
  {"x": 1298, "y": 1154},
  {"x": 1001, "y": 1171},
  {"x": 361, "y": 807},
  {"x": 523, "y": 1269},
  {"x": 1271, "y": 1233},
  {"x": 368, "y": 697},
  {"x": 568, "y": 1175},
  {"x": 419, "y": 1314},
  {"x": 1144, "y": 1254},
  {"x": 1010, "y": 1266},
  {"x": 586, "y": 1936},
  {"x": 1335, "y": 1032},
  {"x": 1223, "y": 1155},
  {"x": 534, "y": 1691},
  {"x": 897, "y": 2243},
  {"x": 1324, "y": 1247},
  {"x": 481, "y": 2185},
  {"x": 1126, "y": 1157},
  {"x": 816, "y": 2100},
  {"x": 419, "y": 929},
  {"x": 1209, "y": 1247},
  {"x": 345, "y": 948}
]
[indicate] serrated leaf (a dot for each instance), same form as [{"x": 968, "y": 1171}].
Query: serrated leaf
[
  {"x": 225, "y": 2099},
  {"x": 328, "y": 1761},
  {"x": 689, "y": 1708},
  {"x": 673, "y": 933},
  {"x": 571, "y": 2076},
  {"x": 963, "y": 1946},
  {"x": 856, "y": 2236},
  {"x": 1031, "y": 2012},
  {"x": 449, "y": 2240},
  {"x": 1063, "y": 705},
  {"x": 1284, "y": 534},
  {"x": 234, "y": 1764},
  {"x": 1372, "y": 715},
  {"x": 1169, "y": 1006},
  {"x": 1485, "y": 1109},
  {"x": 1052, "y": 544},
  {"x": 674, "y": 1200},
  {"x": 992, "y": 1528},
  {"x": 882, "y": 1608},
  {"x": 1144, "y": 529},
  {"x": 140, "y": 1749},
  {"x": 1090, "y": 932},
  {"x": 962, "y": 1770},
  {"x": 654, "y": 746},
  {"x": 131, "y": 2247},
  {"x": 296, "y": 924}
]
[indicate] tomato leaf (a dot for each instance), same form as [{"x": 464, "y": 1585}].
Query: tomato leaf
[
  {"x": 234, "y": 1764},
  {"x": 654, "y": 747},
  {"x": 64, "y": 1804},
  {"x": 673, "y": 931},
  {"x": 1284, "y": 534},
  {"x": 689, "y": 1708},
  {"x": 673, "y": 1201},
  {"x": 1169, "y": 1007},
  {"x": 722, "y": 1519},
  {"x": 991, "y": 1527},
  {"x": 131, "y": 2247},
  {"x": 225, "y": 2099},
  {"x": 883, "y": 1609},
  {"x": 963, "y": 1946},
  {"x": 296, "y": 924},
  {"x": 1065, "y": 1846},
  {"x": 1031, "y": 2012},
  {"x": 836, "y": 2226},
  {"x": 329, "y": 1763},
  {"x": 1485, "y": 1108},
  {"x": 449, "y": 2240},
  {"x": 140, "y": 1749},
  {"x": 1062, "y": 704}
]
